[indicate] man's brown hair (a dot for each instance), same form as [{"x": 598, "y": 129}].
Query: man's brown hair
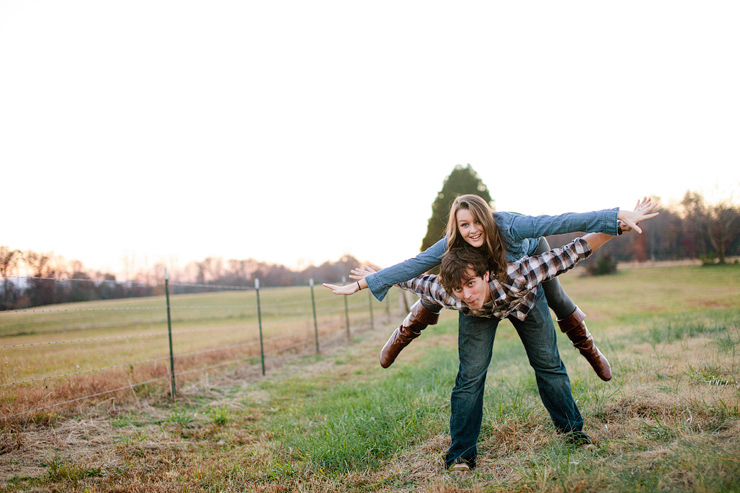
[{"x": 455, "y": 266}]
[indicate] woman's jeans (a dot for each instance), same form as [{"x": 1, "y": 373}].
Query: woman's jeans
[
  {"x": 475, "y": 346},
  {"x": 557, "y": 300}
]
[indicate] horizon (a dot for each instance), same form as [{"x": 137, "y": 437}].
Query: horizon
[{"x": 173, "y": 263}]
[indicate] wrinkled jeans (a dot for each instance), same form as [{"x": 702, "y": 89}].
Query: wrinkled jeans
[{"x": 475, "y": 346}]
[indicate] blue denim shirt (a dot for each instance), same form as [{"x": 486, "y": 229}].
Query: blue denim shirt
[{"x": 520, "y": 233}]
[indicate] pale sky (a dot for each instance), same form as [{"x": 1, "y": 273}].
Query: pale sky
[{"x": 295, "y": 132}]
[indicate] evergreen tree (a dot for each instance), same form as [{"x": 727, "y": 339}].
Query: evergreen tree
[{"x": 462, "y": 180}]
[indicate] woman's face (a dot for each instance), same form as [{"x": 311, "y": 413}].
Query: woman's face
[{"x": 469, "y": 228}]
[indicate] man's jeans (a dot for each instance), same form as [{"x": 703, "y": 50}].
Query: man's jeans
[{"x": 475, "y": 346}]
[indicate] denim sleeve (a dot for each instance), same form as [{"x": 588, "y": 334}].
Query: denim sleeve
[
  {"x": 380, "y": 282},
  {"x": 516, "y": 228}
]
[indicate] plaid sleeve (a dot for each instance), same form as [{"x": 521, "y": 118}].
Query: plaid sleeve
[
  {"x": 428, "y": 288},
  {"x": 540, "y": 268}
]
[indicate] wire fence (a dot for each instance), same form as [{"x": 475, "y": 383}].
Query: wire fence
[{"x": 141, "y": 343}]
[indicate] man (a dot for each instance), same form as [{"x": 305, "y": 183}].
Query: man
[{"x": 466, "y": 285}]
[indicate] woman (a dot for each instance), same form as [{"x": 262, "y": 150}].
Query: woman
[{"x": 471, "y": 221}]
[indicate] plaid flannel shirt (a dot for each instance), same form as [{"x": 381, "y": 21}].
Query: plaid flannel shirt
[{"x": 516, "y": 294}]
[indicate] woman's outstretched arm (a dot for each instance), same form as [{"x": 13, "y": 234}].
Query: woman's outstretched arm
[
  {"x": 630, "y": 220},
  {"x": 348, "y": 289}
]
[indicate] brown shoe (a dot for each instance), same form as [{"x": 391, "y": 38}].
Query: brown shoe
[
  {"x": 416, "y": 321},
  {"x": 576, "y": 330}
]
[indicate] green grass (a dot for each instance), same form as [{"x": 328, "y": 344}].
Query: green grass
[
  {"x": 59, "y": 469},
  {"x": 356, "y": 425},
  {"x": 668, "y": 421}
]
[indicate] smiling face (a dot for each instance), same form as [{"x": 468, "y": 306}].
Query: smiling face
[
  {"x": 474, "y": 291},
  {"x": 470, "y": 229}
]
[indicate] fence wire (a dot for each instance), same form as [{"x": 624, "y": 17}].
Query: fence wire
[
  {"x": 275, "y": 316},
  {"x": 279, "y": 350},
  {"x": 84, "y": 371},
  {"x": 62, "y": 310},
  {"x": 105, "y": 392},
  {"x": 177, "y": 355}
]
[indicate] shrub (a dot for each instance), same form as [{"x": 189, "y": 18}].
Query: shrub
[
  {"x": 604, "y": 264},
  {"x": 708, "y": 259}
]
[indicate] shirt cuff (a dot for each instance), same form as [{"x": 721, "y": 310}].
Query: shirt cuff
[
  {"x": 583, "y": 249},
  {"x": 611, "y": 221},
  {"x": 377, "y": 287}
]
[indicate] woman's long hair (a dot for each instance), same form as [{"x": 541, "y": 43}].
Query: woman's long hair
[{"x": 494, "y": 248}]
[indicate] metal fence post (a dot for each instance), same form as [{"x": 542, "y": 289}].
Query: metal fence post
[
  {"x": 315, "y": 324},
  {"x": 346, "y": 310},
  {"x": 259, "y": 319},
  {"x": 169, "y": 332},
  {"x": 370, "y": 302},
  {"x": 388, "y": 307}
]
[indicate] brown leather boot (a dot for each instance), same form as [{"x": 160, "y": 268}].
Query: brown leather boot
[
  {"x": 416, "y": 321},
  {"x": 576, "y": 330}
]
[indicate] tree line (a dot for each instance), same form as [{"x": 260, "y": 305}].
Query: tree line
[
  {"x": 50, "y": 279},
  {"x": 695, "y": 230}
]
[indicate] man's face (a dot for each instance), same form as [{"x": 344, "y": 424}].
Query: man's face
[{"x": 474, "y": 291}]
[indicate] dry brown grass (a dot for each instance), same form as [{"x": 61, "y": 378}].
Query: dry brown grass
[{"x": 90, "y": 368}]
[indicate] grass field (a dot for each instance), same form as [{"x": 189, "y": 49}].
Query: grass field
[
  {"x": 59, "y": 353},
  {"x": 335, "y": 422}
]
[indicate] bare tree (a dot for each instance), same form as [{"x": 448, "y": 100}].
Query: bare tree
[
  {"x": 8, "y": 261},
  {"x": 718, "y": 224},
  {"x": 44, "y": 267}
]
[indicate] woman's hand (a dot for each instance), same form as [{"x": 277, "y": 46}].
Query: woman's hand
[
  {"x": 346, "y": 290},
  {"x": 361, "y": 273},
  {"x": 630, "y": 219},
  {"x": 352, "y": 288}
]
